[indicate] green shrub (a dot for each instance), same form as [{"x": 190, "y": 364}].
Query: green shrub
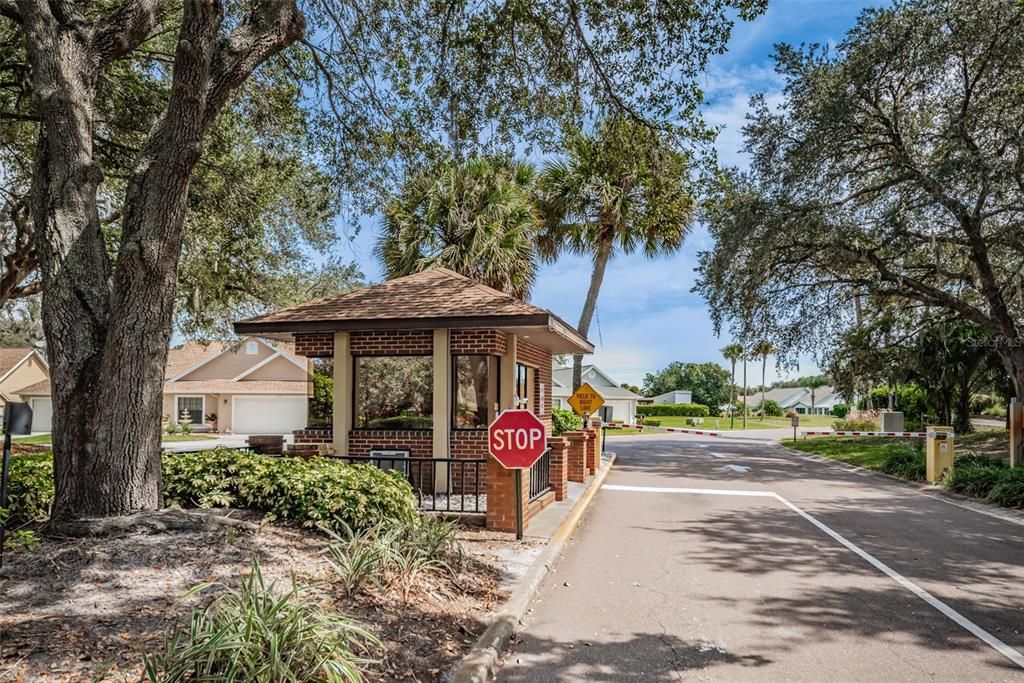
[
  {"x": 973, "y": 480},
  {"x": 401, "y": 422},
  {"x": 855, "y": 425},
  {"x": 971, "y": 460},
  {"x": 652, "y": 423},
  {"x": 676, "y": 409},
  {"x": 171, "y": 428},
  {"x": 258, "y": 634},
  {"x": 1009, "y": 489},
  {"x": 840, "y": 410},
  {"x": 319, "y": 491},
  {"x": 30, "y": 489},
  {"x": 771, "y": 408},
  {"x": 563, "y": 421},
  {"x": 906, "y": 462}
]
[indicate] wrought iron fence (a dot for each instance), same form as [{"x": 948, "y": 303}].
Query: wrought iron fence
[
  {"x": 440, "y": 484},
  {"x": 540, "y": 476}
]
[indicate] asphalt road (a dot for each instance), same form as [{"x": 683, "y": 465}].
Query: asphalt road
[{"x": 733, "y": 560}]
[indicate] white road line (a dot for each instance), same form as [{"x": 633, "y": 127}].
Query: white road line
[
  {"x": 705, "y": 492},
  {"x": 944, "y": 609}
]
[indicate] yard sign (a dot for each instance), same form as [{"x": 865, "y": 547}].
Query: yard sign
[{"x": 585, "y": 401}]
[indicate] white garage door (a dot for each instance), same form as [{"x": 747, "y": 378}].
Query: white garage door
[
  {"x": 42, "y": 414},
  {"x": 269, "y": 414}
]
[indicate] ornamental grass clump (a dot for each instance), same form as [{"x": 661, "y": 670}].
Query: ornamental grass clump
[
  {"x": 257, "y": 634},
  {"x": 394, "y": 555}
]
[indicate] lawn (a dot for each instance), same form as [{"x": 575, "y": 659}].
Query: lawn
[
  {"x": 168, "y": 438},
  {"x": 869, "y": 452}
]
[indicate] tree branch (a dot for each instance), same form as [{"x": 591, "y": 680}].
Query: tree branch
[
  {"x": 10, "y": 10},
  {"x": 124, "y": 29}
]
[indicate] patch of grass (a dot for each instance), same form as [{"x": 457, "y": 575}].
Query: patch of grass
[
  {"x": 869, "y": 452},
  {"x": 37, "y": 439}
]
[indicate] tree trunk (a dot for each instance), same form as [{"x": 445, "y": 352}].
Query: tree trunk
[
  {"x": 604, "y": 253},
  {"x": 108, "y": 329},
  {"x": 744, "y": 392},
  {"x": 764, "y": 392},
  {"x": 732, "y": 401}
]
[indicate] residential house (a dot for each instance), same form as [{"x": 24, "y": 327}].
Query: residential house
[
  {"x": 619, "y": 403},
  {"x": 22, "y": 371},
  {"x": 798, "y": 399},
  {"x": 254, "y": 386},
  {"x": 674, "y": 396}
]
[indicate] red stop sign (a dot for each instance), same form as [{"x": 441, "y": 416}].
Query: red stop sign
[{"x": 517, "y": 438}]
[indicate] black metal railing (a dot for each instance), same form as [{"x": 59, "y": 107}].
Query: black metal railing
[
  {"x": 540, "y": 476},
  {"x": 440, "y": 484}
]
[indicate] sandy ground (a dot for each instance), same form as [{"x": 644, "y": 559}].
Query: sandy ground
[{"x": 76, "y": 610}]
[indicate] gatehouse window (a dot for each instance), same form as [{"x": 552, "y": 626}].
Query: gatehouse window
[
  {"x": 321, "y": 392},
  {"x": 474, "y": 391},
  {"x": 394, "y": 392}
]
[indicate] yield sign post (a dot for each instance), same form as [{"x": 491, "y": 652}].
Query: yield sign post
[{"x": 517, "y": 439}]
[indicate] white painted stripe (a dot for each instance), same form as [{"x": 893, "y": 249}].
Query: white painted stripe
[
  {"x": 959, "y": 619},
  {"x": 704, "y": 492},
  {"x": 944, "y": 609}
]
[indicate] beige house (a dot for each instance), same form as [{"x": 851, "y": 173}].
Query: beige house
[
  {"x": 248, "y": 387},
  {"x": 22, "y": 372}
]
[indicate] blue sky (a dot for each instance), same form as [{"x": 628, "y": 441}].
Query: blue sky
[{"x": 646, "y": 314}]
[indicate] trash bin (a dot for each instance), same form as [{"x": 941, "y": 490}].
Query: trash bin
[{"x": 938, "y": 453}]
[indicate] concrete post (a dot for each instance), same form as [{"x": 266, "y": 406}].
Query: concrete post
[
  {"x": 341, "y": 421},
  {"x": 442, "y": 413}
]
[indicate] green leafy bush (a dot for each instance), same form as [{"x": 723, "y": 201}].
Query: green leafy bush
[
  {"x": 971, "y": 459},
  {"x": 855, "y": 426},
  {"x": 563, "y": 421},
  {"x": 1009, "y": 489},
  {"x": 318, "y": 491},
  {"x": 651, "y": 422},
  {"x": 771, "y": 408},
  {"x": 840, "y": 410},
  {"x": 973, "y": 480},
  {"x": 401, "y": 422},
  {"x": 30, "y": 489},
  {"x": 676, "y": 409},
  {"x": 906, "y": 462},
  {"x": 258, "y": 634}
]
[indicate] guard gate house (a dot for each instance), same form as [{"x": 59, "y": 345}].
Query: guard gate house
[{"x": 420, "y": 367}]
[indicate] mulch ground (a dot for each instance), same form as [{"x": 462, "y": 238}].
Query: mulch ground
[{"x": 88, "y": 609}]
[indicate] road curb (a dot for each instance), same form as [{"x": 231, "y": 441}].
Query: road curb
[
  {"x": 478, "y": 666},
  {"x": 928, "y": 490}
]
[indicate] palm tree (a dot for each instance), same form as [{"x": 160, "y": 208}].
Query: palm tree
[
  {"x": 732, "y": 353},
  {"x": 478, "y": 218},
  {"x": 622, "y": 189},
  {"x": 763, "y": 348},
  {"x": 813, "y": 383},
  {"x": 745, "y": 357}
]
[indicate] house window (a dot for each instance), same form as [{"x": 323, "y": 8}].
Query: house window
[
  {"x": 474, "y": 391},
  {"x": 394, "y": 392},
  {"x": 251, "y": 348},
  {"x": 190, "y": 409},
  {"x": 321, "y": 392}
]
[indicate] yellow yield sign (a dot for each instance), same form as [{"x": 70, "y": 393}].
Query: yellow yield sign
[{"x": 586, "y": 401}]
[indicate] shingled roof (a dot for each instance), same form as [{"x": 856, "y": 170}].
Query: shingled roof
[{"x": 436, "y": 298}]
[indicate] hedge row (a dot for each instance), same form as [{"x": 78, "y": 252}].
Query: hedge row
[
  {"x": 677, "y": 409},
  {"x": 311, "y": 492}
]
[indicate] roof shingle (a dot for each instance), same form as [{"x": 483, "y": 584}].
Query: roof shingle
[{"x": 11, "y": 357}]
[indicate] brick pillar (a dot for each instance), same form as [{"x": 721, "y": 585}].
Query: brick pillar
[
  {"x": 597, "y": 424},
  {"x": 559, "y": 466},
  {"x": 501, "y": 497},
  {"x": 592, "y": 454},
  {"x": 576, "y": 463}
]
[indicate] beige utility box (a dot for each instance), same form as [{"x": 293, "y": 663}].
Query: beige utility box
[{"x": 938, "y": 453}]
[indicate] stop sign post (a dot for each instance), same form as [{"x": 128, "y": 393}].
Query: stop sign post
[{"x": 517, "y": 439}]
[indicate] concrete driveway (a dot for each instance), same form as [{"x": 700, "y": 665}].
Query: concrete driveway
[{"x": 728, "y": 559}]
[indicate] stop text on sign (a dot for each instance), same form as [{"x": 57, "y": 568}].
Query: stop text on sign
[{"x": 521, "y": 439}]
